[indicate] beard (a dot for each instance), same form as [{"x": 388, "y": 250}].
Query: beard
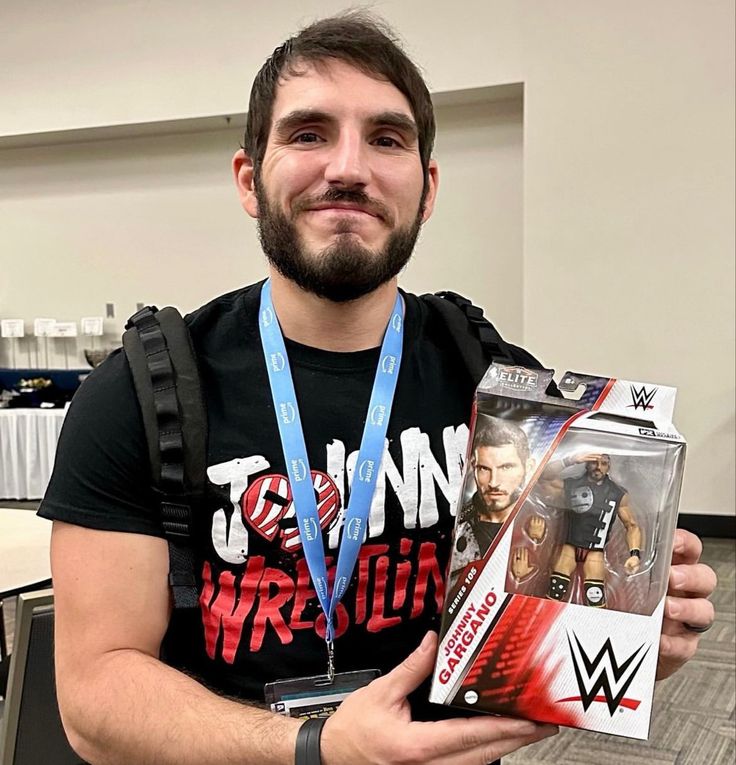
[{"x": 345, "y": 270}]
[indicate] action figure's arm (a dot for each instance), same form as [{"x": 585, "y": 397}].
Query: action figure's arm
[
  {"x": 633, "y": 534},
  {"x": 550, "y": 485},
  {"x": 551, "y": 482}
]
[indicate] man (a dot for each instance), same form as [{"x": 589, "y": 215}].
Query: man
[
  {"x": 591, "y": 501},
  {"x": 501, "y": 464},
  {"x": 337, "y": 170}
]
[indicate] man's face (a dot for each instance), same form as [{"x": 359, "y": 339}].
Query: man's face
[
  {"x": 339, "y": 194},
  {"x": 597, "y": 469},
  {"x": 499, "y": 474}
]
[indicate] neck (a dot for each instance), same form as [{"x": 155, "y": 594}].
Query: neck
[{"x": 355, "y": 325}]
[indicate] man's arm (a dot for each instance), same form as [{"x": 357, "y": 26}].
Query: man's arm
[
  {"x": 633, "y": 534},
  {"x": 118, "y": 702},
  {"x": 121, "y": 705}
]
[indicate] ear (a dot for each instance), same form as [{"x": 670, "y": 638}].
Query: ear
[
  {"x": 243, "y": 172},
  {"x": 433, "y": 181}
]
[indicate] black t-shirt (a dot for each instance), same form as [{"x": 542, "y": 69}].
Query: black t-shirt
[
  {"x": 258, "y": 607},
  {"x": 485, "y": 533}
]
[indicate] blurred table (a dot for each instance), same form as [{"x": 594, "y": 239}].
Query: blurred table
[
  {"x": 27, "y": 448},
  {"x": 24, "y": 551},
  {"x": 24, "y": 557}
]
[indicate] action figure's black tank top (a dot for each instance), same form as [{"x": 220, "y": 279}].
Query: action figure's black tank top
[{"x": 592, "y": 508}]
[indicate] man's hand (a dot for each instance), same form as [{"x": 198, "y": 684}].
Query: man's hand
[
  {"x": 690, "y": 584},
  {"x": 632, "y": 564},
  {"x": 373, "y": 725},
  {"x": 536, "y": 528},
  {"x": 520, "y": 566},
  {"x": 578, "y": 459}
]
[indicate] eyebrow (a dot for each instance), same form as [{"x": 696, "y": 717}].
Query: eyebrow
[
  {"x": 299, "y": 117},
  {"x": 397, "y": 120},
  {"x": 393, "y": 119}
]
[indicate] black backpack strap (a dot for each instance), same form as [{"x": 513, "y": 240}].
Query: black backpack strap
[
  {"x": 166, "y": 379},
  {"x": 479, "y": 342},
  {"x": 477, "y": 339}
]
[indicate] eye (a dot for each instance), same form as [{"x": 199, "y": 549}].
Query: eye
[
  {"x": 305, "y": 137},
  {"x": 386, "y": 142}
]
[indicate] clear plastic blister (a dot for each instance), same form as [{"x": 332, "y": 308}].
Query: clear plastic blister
[{"x": 644, "y": 470}]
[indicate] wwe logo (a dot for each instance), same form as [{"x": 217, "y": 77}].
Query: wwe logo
[
  {"x": 642, "y": 397},
  {"x": 602, "y": 678}
]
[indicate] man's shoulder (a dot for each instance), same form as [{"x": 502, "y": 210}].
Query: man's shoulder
[
  {"x": 575, "y": 480},
  {"x": 225, "y": 322},
  {"x": 230, "y": 305},
  {"x": 616, "y": 488},
  {"x": 434, "y": 323}
]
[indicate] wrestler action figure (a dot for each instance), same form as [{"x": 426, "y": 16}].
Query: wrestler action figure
[{"x": 592, "y": 500}]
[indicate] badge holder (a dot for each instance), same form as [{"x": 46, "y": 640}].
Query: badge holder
[{"x": 316, "y": 696}]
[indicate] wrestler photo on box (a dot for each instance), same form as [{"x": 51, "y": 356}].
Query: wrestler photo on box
[{"x": 501, "y": 463}]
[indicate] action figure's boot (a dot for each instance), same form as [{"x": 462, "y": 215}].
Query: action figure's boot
[
  {"x": 558, "y": 586},
  {"x": 595, "y": 593}
]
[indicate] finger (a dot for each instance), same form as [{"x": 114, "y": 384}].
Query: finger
[
  {"x": 451, "y": 737},
  {"x": 675, "y": 650},
  {"x": 409, "y": 675},
  {"x": 694, "y": 579},
  {"x": 687, "y": 547},
  {"x": 698, "y": 612},
  {"x": 490, "y": 752}
]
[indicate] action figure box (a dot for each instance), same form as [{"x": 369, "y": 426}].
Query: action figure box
[{"x": 561, "y": 551}]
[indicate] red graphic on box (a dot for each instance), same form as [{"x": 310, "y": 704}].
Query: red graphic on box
[{"x": 511, "y": 674}]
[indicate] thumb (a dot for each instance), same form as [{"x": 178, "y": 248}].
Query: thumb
[{"x": 416, "y": 667}]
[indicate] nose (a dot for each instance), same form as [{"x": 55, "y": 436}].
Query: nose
[
  {"x": 493, "y": 478},
  {"x": 348, "y": 165}
]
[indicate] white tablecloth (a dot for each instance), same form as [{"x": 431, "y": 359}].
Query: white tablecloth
[
  {"x": 27, "y": 447},
  {"x": 24, "y": 549}
]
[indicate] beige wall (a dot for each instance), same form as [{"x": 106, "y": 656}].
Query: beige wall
[
  {"x": 628, "y": 196},
  {"x": 157, "y": 220}
]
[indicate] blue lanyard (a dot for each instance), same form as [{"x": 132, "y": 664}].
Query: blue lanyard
[{"x": 295, "y": 452}]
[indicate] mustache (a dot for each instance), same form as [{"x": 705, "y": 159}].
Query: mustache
[{"x": 346, "y": 196}]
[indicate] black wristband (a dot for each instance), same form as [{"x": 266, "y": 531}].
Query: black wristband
[
  {"x": 307, "y": 742},
  {"x": 634, "y": 553}
]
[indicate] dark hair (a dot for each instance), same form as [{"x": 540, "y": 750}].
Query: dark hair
[
  {"x": 358, "y": 39},
  {"x": 495, "y": 432}
]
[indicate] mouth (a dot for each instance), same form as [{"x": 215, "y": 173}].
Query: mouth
[{"x": 338, "y": 208}]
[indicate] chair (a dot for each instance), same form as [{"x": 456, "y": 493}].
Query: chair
[{"x": 30, "y": 729}]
